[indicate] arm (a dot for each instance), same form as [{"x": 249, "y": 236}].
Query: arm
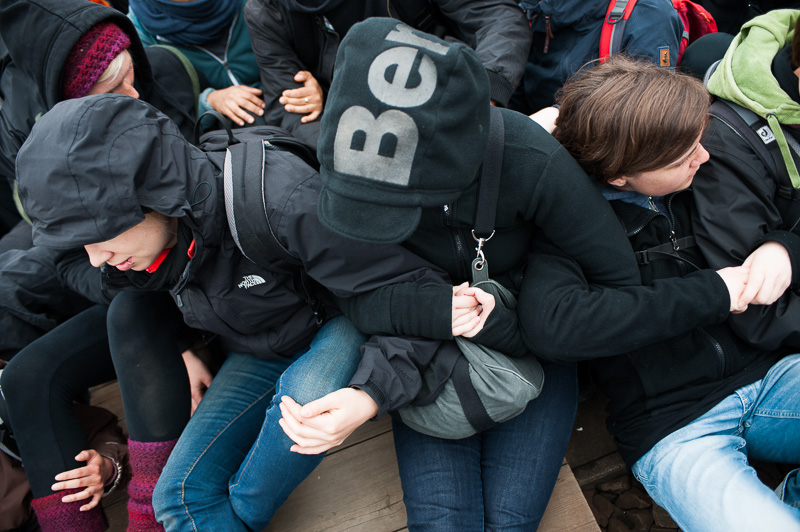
[
  {"x": 499, "y": 33},
  {"x": 736, "y": 213},
  {"x": 565, "y": 318},
  {"x": 278, "y": 63}
]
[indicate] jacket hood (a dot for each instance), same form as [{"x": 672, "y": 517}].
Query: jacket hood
[
  {"x": 90, "y": 166},
  {"x": 58, "y": 25},
  {"x": 744, "y": 75}
]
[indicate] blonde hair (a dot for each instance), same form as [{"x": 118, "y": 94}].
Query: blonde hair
[{"x": 114, "y": 67}]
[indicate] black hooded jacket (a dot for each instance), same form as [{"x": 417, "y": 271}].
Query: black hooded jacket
[
  {"x": 111, "y": 147},
  {"x": 31, "y": 81}
]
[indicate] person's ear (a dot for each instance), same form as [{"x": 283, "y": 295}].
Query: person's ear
[{"x": 618, "y": 182}]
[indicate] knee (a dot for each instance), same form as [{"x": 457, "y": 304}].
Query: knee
[{"x": 23, "y": 379}]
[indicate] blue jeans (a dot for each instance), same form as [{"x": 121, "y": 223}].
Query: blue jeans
[
  {"x": 232, "y": 468},
  {"x": 700, "y": 473},
  {"x": 499, "y": 479}
]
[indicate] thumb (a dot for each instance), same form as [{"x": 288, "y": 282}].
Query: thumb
[
  {"x": 315, "y": 408},
  {"x": 301, "y": 76}
]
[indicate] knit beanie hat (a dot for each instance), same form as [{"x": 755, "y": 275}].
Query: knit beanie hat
[
  {"x": 405, "y": 127},
  {"x": 90, "y": 57}
]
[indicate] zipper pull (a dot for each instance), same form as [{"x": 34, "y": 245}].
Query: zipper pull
[
  {"x": 674, "y": 239},
  {"x": 652, "y": 203}
]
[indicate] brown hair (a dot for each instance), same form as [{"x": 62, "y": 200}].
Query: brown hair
[{"x": 626, "y": 116}]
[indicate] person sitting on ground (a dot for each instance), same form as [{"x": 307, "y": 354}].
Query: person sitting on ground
[
  {"x": 690, "y": 402},
  {"x": 215, "y": 38},
  {"x": 295, "y": 42}
]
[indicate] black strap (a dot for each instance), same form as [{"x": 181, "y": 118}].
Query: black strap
[
  {"x": 489, "y": 183},
  {"x": 419, "y": 14},
  {"x": 754, "y": 130},
  {"x": 474, "y": 410},
  {"x": 664, "y": 251}
]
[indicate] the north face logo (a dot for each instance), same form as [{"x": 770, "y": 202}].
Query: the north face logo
[{"x": 251, "y": 280}]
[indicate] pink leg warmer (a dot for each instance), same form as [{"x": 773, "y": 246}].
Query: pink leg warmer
[
  {"x": 147, "y": 459},
  {"x": 57, "y": 516}
]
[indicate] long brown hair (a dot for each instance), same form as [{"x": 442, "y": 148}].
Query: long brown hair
[{"x": 626, "y": 116}]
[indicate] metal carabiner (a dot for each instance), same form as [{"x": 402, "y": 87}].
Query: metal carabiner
[{"x": 481, "y": 241}]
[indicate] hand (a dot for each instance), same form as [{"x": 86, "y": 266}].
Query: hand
[
  {"x": 199, "y": 377},
  {"x": 736, "y": 279},
  {"x": 93, "y": 476},
  {"x": 235, "y": 102},
  {"x": 546, "y": 118},
  {"x": 466, "y": 310},
  {"x": 486, "y": 306},
  {"x": 326, "y": 422},
  {"x": 305, "y": 100},
  {"x": 770, "y": 274}
]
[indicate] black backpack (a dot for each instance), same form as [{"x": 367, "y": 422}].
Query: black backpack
[
  {"x": 759, "y": 136},
  {"x": 250, "y": 151}
]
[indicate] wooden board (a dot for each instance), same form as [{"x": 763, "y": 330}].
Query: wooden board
[{"x": 357, "y": 488}]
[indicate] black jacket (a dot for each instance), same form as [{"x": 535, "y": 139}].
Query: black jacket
[
  {"x": 115, "y": 145},
  {"x": 737, "y": 212},
  {"x": 31, "y": 81},
  {"x": 543, "y": 194},
  {"x": 497, "y": 31},
  {"x": 662, "y": 353}
]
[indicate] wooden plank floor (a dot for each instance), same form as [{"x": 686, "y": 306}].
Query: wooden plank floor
[{"x": 357, "y": 488}]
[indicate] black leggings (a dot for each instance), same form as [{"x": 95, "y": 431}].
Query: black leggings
[
  {"x": 41, "y": 381},
  {"x": 143, "y": 334}
]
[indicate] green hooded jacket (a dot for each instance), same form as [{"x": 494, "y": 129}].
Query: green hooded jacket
[{"x": 744, "y": 76}]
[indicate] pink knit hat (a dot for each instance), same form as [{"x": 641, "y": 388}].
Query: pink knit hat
[{"x": 90, "y": 57}]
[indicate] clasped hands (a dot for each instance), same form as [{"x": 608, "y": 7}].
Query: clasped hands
[{"x": 761, "y": 279}]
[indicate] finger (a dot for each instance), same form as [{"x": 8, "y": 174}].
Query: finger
[
  {"x": 315, "y": 408},
  {"x": 302, "y": 75},
  {"x": 94, "y": 502},
  {"x": 252, "y": 103},
  {"x": 466, "y": 330},
  {"x": 458, "y": 288},
  {"x": 462, "y": 301},
  {"x": 310, "y": 117},
  {"x": 78, "y": 496},
  {"x": 251, "y": 90},
  {"x": 465, "y": 318},
  {"x": 300, "y": 440},
  {"x": 75, "y": 473}
]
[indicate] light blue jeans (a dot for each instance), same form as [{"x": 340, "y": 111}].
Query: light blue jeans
[
  {"x": 700, "y": 473},
  {"x": 232, "y": 468}
]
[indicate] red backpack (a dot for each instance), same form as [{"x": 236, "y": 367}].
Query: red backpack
[{"x": 697, "y": 21}]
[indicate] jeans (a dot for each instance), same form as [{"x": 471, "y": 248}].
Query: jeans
[
  {"x": 497, "y": 480},
  {"x": 232, "y": 468},
  {"x": 700, "y": 473}
]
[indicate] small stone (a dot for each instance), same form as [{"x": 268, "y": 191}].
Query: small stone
[
  {"x": 633, "y": 498},
  {"x": 642, "y": 519},
  {"x": 662, "y": 518},
  {"x": 603, "y": 508},
  {"x": 616, "y": 485},
  {"x": 616, "y": 525}
]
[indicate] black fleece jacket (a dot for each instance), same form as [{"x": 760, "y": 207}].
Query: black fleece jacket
[{"x": 662, "y": 352}]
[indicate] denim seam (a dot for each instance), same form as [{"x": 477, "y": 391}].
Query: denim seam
[{"x": 200, "y": 456}]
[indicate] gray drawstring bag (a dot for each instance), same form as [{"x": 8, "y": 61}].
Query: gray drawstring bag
[{"x": 469, "y": 388}]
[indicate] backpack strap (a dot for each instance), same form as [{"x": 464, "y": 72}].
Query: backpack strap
[
  {"x": 420, "y": 15},
  {"x": 619, "y": 11},
  {"x": 664, "y": 251},
  {"x": 759, "y": 136}
]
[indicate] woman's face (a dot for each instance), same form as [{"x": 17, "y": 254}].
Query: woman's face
[
  {"x": 122, "y": 83},
  {"x": 138, "y": 247},
  {"x": 671, "y": 178}
]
